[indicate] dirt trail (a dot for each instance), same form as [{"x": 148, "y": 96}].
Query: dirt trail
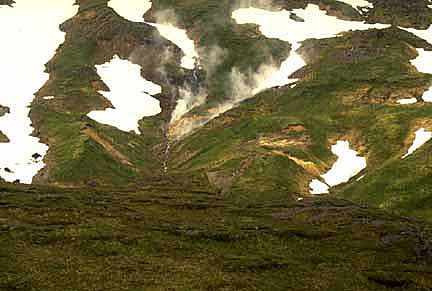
[{"x": 107, "y": 146}]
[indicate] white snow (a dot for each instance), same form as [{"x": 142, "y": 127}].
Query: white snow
[
  {"x": 134, "y": 10},
  {"x": 425, "y": 34},
  {"x": 30, "y": 35},
  {"x": 357, "y": 3},
  {"x": 279, "y": 25},
  {"x": 427, "y": 96},
  {"x": 317, "y": 187},
  {"x": 407, "y": 101},
  {"x": 348, "y": 165},
  {"x": 422, "y": 137},
  {"x": 423, "y": 62},
  {"x": 181, "y": 39},
  {"x": 129, "y": 93},
  {"x": 48, "y": 97}
]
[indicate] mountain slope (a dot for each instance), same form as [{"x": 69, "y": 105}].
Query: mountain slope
[
  {"x": 282, "y": 138},
  {"x": 219, "y": 198}
]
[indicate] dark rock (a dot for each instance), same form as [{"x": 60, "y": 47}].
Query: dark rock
[
  {"x": 92, "y": 184},
  {"x": 295, "y": 17},
  {"x": 388, "y": 279},
  {"x": 4, "y": 110},
  {"x": 7, "y": 2},
  {"x": 36, "y": 156}
]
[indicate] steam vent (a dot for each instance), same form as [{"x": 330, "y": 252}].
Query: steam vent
[{"x": 216, "y": 145}]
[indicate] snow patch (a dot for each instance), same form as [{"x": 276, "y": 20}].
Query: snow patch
[
  {"x": 180, "y": 38},
  {"x": 134, "y": 10},
  {"x": 407, "y": 101},
  {"x": 423, "y": 64},
  {"x": 422, "y": 137},
  {"x": 357, "y": 3},
  {"x": 129, "y": 93},
  {"x": 317, "y": 187},
  {"x": 317, "y": 24},
  {"x": 348, "y": 165},
  {"x": 427, "y": 96},
  {"x": 425, "y": 34},
  {"x": 30, "y": 36}
]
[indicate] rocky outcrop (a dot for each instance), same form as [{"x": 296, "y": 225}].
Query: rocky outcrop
[
  {"x": 4, "y": 110},
  {"x": 7, "y": 2}
]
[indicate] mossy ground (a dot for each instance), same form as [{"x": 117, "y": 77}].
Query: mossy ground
[
  {"x": 400, "y": 13},
  {"x": 172, "y": 239}
]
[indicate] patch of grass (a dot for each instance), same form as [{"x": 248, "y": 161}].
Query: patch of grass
[
  {"x": 415, "y": 14},
  {"x": 160, "y": 239}
]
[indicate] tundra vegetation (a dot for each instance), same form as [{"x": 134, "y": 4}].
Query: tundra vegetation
[{"x": 229, "y": 200}]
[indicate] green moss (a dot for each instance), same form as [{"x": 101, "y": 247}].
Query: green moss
[
  {"x": 160, "y": 239},
  {"x": 399, "y": 13}
]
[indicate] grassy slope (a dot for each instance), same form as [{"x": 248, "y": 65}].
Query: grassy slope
[
  {"x": 398, "y": 12},
  {"x": 400, "y": 185},
  {"x": 59, "y": 122},
  {"x": 367, "y": 83},
  {"x": 358, "y": 92},
  {"x": 93, "y": 37},
  {"x": 161, "y": 239}
]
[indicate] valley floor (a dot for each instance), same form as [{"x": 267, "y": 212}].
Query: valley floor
[{"x": 170, "y": 239}]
